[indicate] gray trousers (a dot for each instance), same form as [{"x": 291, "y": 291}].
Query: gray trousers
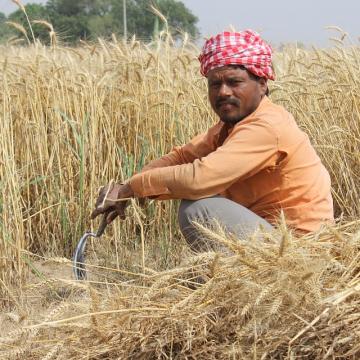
[{"x": 233, "y": 218}]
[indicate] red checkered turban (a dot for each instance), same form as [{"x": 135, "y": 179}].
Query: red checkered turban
[{"x": 238, "y": 48}]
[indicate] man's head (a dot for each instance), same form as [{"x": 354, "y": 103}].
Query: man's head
[
  {"x": 235, "y": 92},
  {"x": 237, "y": 66}
]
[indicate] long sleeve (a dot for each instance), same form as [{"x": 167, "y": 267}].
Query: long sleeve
[{"x": 203, "y": 172}]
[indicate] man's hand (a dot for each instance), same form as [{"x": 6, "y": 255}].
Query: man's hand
[{"x": 112, "y": 201}]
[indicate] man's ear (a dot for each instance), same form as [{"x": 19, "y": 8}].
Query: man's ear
[{"x": 263, "y": 86}]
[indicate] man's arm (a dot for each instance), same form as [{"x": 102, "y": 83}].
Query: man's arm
[
  {"x": 112, "y": 199},
  {"x": 249, "y": 149}
]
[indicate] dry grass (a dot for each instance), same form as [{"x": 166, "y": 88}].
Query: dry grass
[
  {"x": 74, "y": 118},
  {"x": 259, "y": 303}
]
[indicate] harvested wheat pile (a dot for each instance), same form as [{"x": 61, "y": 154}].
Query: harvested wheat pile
[{"x": 283, "y": 297}]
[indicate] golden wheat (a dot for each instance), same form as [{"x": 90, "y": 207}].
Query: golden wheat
[{"x": 73, "y": 118}]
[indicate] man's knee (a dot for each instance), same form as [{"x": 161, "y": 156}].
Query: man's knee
[
  {"x": 188, "y": 212},
  {"x": 193, "y": 211},
  {"x": 233, "y": 217}
]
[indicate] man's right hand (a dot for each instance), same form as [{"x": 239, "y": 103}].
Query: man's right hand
[{"x": 112, "y": 201}]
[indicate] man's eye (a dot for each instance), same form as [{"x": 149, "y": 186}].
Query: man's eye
[{"x": 235, "y": 82}]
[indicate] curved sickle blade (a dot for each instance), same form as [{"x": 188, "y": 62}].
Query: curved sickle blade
[{"x": 79, "y": 257}]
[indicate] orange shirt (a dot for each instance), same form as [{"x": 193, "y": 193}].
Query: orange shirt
[{"x": 266, "y": 164}]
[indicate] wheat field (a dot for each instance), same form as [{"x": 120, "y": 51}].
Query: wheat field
[{"x": 75, "y": 118}]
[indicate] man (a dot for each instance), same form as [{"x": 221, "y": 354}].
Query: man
[{"x": 253, "y": 164}]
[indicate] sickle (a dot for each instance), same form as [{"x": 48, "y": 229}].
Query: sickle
[{"x": 79, "y": 255}]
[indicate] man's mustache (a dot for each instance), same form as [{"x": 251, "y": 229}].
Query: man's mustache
[{"x": 221, "y": 101}]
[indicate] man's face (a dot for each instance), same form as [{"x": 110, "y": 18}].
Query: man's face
[{"x": 234, "y": 94}]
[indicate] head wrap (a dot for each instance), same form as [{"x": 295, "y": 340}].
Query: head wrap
[{"x": 238, "y": 48}]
